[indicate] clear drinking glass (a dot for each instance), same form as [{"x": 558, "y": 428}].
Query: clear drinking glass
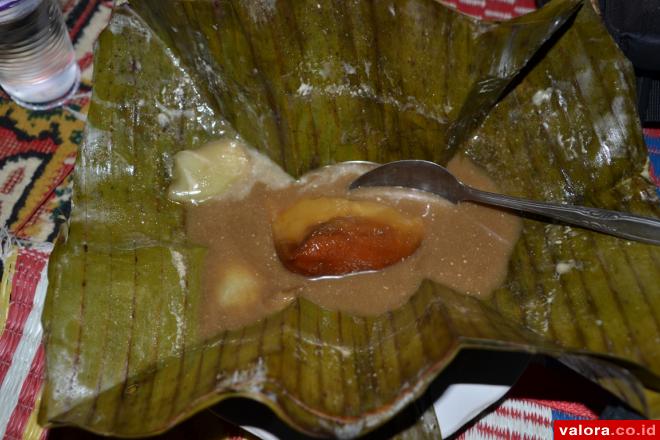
[{"x": 38, "y": 66}]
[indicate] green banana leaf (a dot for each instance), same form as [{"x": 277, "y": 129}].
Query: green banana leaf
[{"x": 544, "y": 103}]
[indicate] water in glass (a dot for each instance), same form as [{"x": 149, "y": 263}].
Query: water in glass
[{"x": 38, "y": 68}]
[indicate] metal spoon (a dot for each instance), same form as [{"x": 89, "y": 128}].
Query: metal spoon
[{"x": 431, "y": 177}]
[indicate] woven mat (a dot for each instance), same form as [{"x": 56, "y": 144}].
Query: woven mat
[{"x": 37, "y": 155}]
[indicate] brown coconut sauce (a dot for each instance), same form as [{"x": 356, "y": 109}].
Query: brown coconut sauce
[{"x": 465, "y": 247}]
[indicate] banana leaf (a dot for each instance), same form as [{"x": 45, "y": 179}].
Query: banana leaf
[{"x": 544, "y": 103}]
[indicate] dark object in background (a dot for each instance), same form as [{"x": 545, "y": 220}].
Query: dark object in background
[
  {"x": 635, "y": 26},
  {"x": 619, "y": 412}
]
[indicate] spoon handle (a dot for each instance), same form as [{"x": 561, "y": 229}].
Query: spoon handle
[{"x": 620, "y": 224}]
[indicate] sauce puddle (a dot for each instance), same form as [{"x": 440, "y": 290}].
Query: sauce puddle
[{"x": 465, "y": 247}]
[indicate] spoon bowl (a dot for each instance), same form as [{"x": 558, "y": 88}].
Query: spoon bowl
[{"x": 418, "y": 174}]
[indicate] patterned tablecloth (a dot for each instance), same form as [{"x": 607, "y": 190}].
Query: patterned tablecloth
[{"x": 37, "y": 155}]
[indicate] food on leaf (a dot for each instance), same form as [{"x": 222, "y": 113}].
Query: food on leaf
[
  {"x": 238, "y": 286},
  {"x": 364, "y": 252},
  {"x": 208, "y": 171},
  {"x": 336, "y": 236}
]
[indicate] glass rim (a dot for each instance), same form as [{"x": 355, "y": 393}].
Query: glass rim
[
  {"x": 6, "y": 4},
  {"x": 15, "y": 9}
]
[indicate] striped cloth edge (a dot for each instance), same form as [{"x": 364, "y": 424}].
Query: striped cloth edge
[
  {"x": 22, "y": 357},
  {"x": 652, "y": 138},
  {"x": 523, "y": 419}
]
